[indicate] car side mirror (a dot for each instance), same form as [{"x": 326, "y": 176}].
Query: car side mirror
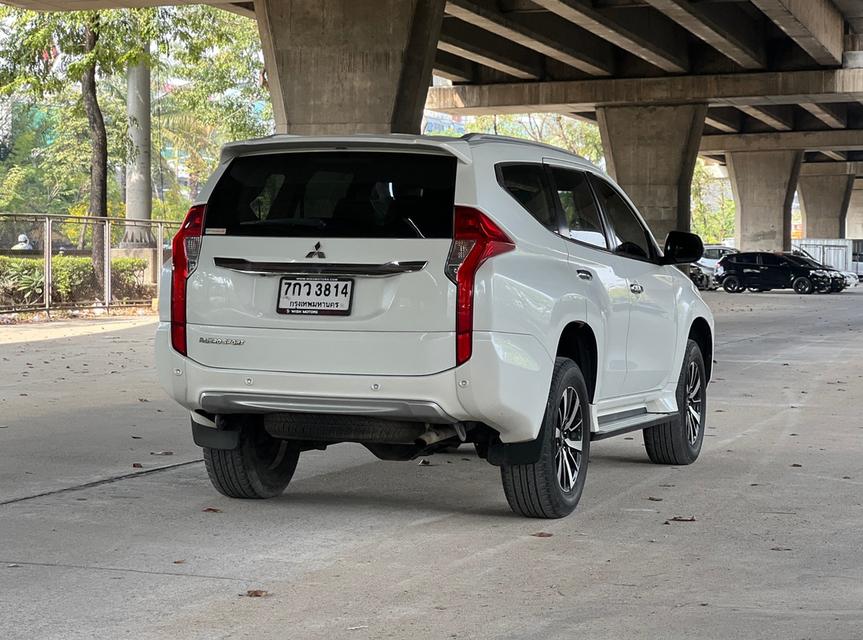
[{"x": 682, "y": 247}]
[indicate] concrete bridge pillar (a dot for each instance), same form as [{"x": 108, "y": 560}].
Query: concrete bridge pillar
[
  {"x": 651, "y": 151},
  {"x": 764, "y": 183},
  {"x": 854, "y": 217},
  {"x": 349, "y": 66},
  {"x": 825, "y": 192}
]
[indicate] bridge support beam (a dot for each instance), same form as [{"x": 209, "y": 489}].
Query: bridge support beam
[
  {"x": 825, "y": 193},
  {"x": 764, "y": 183},
  {"x": 651, "y": 151},
  {"x": 854, "y": 217},
  {"x": 349, "y": 66}
]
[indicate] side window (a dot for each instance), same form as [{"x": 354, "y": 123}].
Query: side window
[
  {"x": 769, "y": 260},
  {"x": 526, "y": 183},
  {"x": 579, "y": 208},
  {"x": 628, "y": 235}
]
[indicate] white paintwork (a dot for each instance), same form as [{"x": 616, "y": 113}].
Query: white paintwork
[{"x": 398, "y": 343}]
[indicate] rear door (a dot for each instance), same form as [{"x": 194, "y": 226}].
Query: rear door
[{"x": 327, "y": 262}]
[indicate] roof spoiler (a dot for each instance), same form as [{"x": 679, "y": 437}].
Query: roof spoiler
[{"x": 438, "y": 144}]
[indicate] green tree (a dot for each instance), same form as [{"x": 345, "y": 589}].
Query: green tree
[
  {"x": 42, "y": 53},
  {"x": 713, "y": 209}
]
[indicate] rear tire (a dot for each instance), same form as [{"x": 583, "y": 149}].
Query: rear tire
[
  {"x": 731, "y": 284},
  {"x": 552, "y": 486},
  {"x": 803, "y": 286},
  {"x": 260, "y": 467},
  {"x": 679, "y": 441}
]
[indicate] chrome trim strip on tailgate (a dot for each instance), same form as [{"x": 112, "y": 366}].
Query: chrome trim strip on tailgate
[
  {"x": 414, "y": 410},
  {"x": 385, "y": 270}
]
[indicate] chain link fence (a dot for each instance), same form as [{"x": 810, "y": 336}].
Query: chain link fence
[{"x": 66, "y": 262}]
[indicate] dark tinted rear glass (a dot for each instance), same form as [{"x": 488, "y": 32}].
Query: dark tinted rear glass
[{"x": 335, "y": 195}]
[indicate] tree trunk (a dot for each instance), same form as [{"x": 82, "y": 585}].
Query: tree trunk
[
  {"x": 98, "y": 157},
  {"x": 139, "y": 187}
]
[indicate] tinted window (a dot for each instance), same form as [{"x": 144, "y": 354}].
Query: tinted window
[
  {"x": 628, "y": 235},
  {"x": 526, "y": 183},
  {"x": 742, "y": 258},
  {"x": 579, "y": 208},
  {"x": 769, "y": 260},
  {"x": 713, "y": 254},
  {"x": 336, "y": 194}
]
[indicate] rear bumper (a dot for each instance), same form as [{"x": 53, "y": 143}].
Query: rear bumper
[{"x": 504, "y": 385}]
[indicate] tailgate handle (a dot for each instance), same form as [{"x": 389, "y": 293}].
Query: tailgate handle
[{"x": 384, "y": 270}]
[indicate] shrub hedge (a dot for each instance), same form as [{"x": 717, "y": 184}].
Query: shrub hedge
[{"x": 73, "y": 280}]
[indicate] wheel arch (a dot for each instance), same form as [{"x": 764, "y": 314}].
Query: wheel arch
[
  {"x": 701, "y": 333},
  {"x": 578, "y": 343}
]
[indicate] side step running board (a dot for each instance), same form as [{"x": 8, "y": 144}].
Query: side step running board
[
  {"x": 615, "y": 425},
  {"x": 319, "y": 268}
]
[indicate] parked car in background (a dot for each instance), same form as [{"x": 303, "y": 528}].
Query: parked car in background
[
  {"x": 713, "y": 253},
  {"x": 702, "y": 277},
  {"x": 705, "y": 269},
  {"x": 837, "y": 279},
  {"x": 764, "y": 271},
  {"x": 409, "y": 293},
  {"x": 850, "y": 278}
]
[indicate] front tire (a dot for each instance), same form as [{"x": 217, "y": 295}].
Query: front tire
[
  {"x": 803, "y": 286},
  {"x": 732, "y": 284},
  {"x": 260, "y": 467},
  {"x": 552, "y": 486},
  {"x": 679, "y": 441}
]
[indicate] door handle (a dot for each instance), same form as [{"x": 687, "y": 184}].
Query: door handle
[
  {"x": 636, "y": 288},
  {"x": 584, "y": 274}
]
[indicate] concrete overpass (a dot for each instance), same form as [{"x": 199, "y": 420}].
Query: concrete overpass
[{"x": 762, "y": 85}]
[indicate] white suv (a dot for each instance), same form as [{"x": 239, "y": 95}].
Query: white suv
[{"x": 412, "y": 293}]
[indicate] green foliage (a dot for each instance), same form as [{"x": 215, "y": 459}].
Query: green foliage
[
  {"x": 22, "y": 279},
  {"x": 73, "y": 280},
  {"x": 713, "y": 210},
  {"x": 208, "y": 89}
]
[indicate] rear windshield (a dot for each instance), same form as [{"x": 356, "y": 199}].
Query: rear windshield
[{"x": 335, "y": 195}]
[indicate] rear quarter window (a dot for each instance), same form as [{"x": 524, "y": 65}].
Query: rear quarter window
[{"x": 343, "y": 194}]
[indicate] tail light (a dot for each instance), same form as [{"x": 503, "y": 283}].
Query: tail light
[
  {"x": 186, "y": 249},
  {"x": 475, "y": 239}
]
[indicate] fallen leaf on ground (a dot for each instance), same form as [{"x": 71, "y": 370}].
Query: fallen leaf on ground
[
  {"x": 542, "y": 534},
  {"x": 681, "y": 519},
  {"x": 652, "y": 499},
  {"x": 796, "y": 465},
  {"x": 137, "y": 465},
  {"x": 179, "y": 562},
  {"x": 256, "y": 593},
  {"x": 136, "y": 437},
  {"x": 211, "y": 510},
  {"x": 13, "y": 565},
  {"x": 161, "y": 453},
  {"x": 780, "y": 548},
  {"x": 143, "y": 400}
]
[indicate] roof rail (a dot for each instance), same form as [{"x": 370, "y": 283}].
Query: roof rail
[{"x": 491, "y": 137}]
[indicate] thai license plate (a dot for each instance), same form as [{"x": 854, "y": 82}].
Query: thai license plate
[{"x": 315, "y": 296}]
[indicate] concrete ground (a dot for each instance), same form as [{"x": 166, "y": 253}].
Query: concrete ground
[{"x": 91, "y": 547}]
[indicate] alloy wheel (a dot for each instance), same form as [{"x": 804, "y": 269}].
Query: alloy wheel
[
  {"x": 694, "y": 402},
  {"x": 568, "y": 435}
]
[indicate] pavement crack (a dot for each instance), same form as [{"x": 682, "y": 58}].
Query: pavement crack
[
  {"x": 63, "y": 565},
  {"x": 96, "y": 483}
]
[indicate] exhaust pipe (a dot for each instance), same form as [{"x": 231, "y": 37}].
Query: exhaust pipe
[{"x": 435, "y": 434}]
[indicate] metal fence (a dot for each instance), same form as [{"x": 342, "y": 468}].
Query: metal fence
[{"x": 72, "y": 262}]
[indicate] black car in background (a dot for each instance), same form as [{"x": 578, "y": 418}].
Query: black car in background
[{"x": 763, "y": 271}]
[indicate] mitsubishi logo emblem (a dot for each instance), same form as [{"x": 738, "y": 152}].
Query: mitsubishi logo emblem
[{"x": 317, "y": 253}]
